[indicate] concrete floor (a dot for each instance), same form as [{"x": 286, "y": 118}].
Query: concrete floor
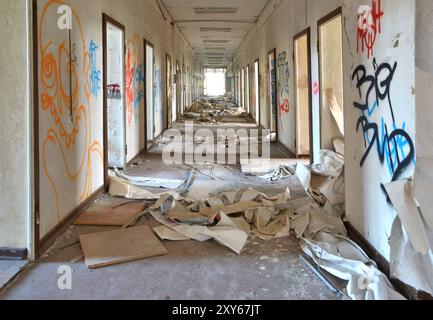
[{"x": 191, "y": 270}]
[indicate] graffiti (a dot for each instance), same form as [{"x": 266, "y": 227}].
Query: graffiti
[
  {"x": 316, "y": 88},
  {"x": 157, "y": 92},
  {"x": 393, "y": 144},
  {"x": 285, "y": 107},
  {"x": 134, "y": 79},
  {"x": 95, "y": 74},
  {"x": 273, "y": 84},
  {"x": 74, "y": 142},
  {"x": 369, "y": 26},
  {"x": 283, "y": 75}
]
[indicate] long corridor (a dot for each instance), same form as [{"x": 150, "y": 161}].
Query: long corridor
[{"x": 266, "y": 269}]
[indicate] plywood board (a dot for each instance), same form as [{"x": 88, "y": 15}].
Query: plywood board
[
  {"x": 119, "y": 246},
  {"x": 110, "y": 217}
]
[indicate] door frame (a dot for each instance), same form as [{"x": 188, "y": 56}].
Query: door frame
[
  {"x": 330, "y": 16},
  {"x": 248, "y": 87},
  {"x": 168, "y": 110},
  {"x": 275, "y": 105},
  {"x": 305, "y": 32},
  {"x": 36, "y": 152},
  {"x": 146, "y": 44},
  {"x": 105, "y": 20},
  {"x": 259, "y": 118},
  {"x": 178, "y": 91}
]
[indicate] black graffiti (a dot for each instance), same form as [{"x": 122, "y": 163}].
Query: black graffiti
[
  {"x": 389, "y": 146},
  {"x": 379, "y": 84},
  {"x": 393, "y": 144}
]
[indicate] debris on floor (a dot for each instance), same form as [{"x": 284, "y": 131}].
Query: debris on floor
[
  {"x": 215, "y": 111},
  {"x": 264, "y": 205},
  {"x": 110, "y": 217},
  {"x": 113, "y": 247},
  {"x": 411, "y": 239}
]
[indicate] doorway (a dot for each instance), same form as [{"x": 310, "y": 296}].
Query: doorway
[
  {"x": 114, "y": 95},
  {"x": 303, "y": 93},
  {"x": 257, "y": 90},
  {"x": 273, "y": 103},
  {"x": 168, "y": 90},
  {"x": 149, "y": 65},
  {"x": 179, "y": 106},
  {"x": 243, "y": 88},
  {"x": 247, "y": 89},
  {"x": 331, "y": 79}
]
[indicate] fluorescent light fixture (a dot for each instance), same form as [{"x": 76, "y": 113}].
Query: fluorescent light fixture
[{"x": 216, "y": 10}]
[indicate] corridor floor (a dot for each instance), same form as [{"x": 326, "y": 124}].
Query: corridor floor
[{"x": 191, "y": 270}]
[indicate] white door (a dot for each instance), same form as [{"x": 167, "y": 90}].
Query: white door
[{"x": 116, "y": 97}]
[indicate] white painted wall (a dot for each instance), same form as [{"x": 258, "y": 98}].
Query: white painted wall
[
  {"x": 15, "y": 124},
  {"x": 424, "y": 82},
  {"x": 367, "y": 207},
  {"x": 72, "y": 152}
]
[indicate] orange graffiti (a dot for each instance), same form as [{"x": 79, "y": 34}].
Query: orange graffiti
[
  {"x": 69, "y": 136},
  {"x": 134, "y": 78}
]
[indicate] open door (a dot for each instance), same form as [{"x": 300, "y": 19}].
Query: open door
[
  {"x": 168, "y": 90},
  {"x": 247, "y": 89},
  {"x": 273, "y": 102},
  {"x": 257, "y": 90},
  {"x": 331, "y": 79},
  {"x": 178, "y": 88},
  {"x": 114, "y": 93},
  {"x": 150, "y": 69},
  {"x": 302, "y": 57}
]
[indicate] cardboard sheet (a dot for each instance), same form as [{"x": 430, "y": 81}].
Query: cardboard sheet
[
  {"x": 110, "y": 217},
  {"x": 113, "y": 247},
  {"x": 165, "y": 233},
  {"x": 151, "y": 182},
  {"x": 225, "y": 232},
  {"x": 121, "y": 188}
]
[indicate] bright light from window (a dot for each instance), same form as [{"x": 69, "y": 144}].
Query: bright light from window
[{"x": 215, "y": 83}]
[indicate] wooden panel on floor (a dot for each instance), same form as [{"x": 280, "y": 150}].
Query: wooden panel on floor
[
  {"x": 110, "y": 217},
  {"x": 119, "y": 246}
]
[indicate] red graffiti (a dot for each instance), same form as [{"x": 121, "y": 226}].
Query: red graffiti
[
  {"x": 369, "y": 26},
  {"x": 316, "y": 88},
  {"x": 285, "y": 106}
]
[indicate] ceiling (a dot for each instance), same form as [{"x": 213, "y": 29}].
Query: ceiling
[{"x": 215, "y": 28}]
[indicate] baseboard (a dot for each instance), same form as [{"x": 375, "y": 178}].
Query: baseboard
[
  {"x": 143, "y": 151},
  {"x": 384, "y": 266},
  {"x": 286, "y": 150},
  {"x": 51, "y": 237},
  {"x": 13, "y": 254}
]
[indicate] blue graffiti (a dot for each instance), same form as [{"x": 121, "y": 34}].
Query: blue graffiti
[
  {"x": 157, "y": 92},
  {"x": 95, "y": 74},
  {"x": 138, "y": 82},
  {"x": 395, "y": 148}
]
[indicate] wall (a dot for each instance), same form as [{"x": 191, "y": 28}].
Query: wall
[
  {"x": 389, "y": 116},
  {"x": 366, "y": 169},
  {"x": 276, "y": 28},
  {"x": 424, "y": 81},
  {"x": 71, "y": 147},
  {"x": 15, "y": 124}
]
